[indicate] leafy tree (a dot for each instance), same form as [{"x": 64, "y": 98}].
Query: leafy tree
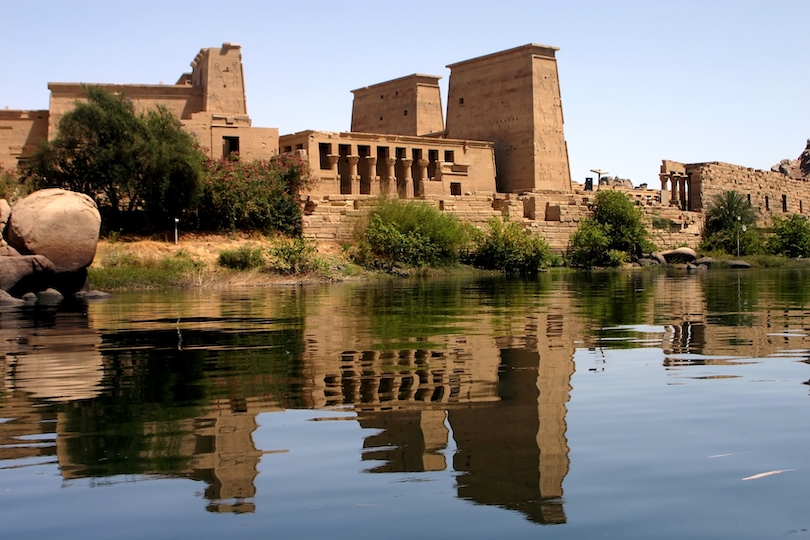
[
  {"x": 791, "y": 236},
  {"x": 128, "y": 162},
  {"x": 614, "y": 234},
  {"x": 172, "y": 167},
  {"x": 730, "y": 218}
]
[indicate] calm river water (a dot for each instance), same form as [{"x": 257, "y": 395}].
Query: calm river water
[{"x": 610, "y": 405}]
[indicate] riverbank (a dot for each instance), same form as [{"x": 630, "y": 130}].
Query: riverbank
[{"x": 146, "y": 263}]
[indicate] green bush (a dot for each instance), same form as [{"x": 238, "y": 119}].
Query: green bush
[
  {"x": 295, "y": 256},
  {"x": 616, "y": 258},
  {"x": 588, "y": 245},
  {"x": 253, "y": 195},
  {"x": 242, "y": 258},
  {"x": 411, "y": 233},
  {"x": 616, "y": 225},
  {"x": 508, "y": 247},
  {"x": 791, "y": 236}
]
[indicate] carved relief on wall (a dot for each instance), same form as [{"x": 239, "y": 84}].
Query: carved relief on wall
[{"x": 225, "y": 93}]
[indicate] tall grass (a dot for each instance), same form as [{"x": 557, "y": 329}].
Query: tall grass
[{"x": 124, "y": 270}]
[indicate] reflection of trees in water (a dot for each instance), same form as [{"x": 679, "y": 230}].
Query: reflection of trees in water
[
  {"x": 427, "y": 308},
  {"x": 179, "y": 397},
  {"x": 181, "y": 402},
  {"x": 613, "y": 298},
  {"x": 732, "y": 297}
]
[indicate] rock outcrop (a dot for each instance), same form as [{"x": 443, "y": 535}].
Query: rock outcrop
[
  {"x": 796, "y": 168},
  {"x": 61, "y": 225},
  {"x": 49, "y": 240}
]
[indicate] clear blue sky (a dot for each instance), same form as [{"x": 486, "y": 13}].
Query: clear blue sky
[{"x": 641, "y": 80}]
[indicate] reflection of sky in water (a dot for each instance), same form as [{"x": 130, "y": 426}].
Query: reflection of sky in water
[{"x": 454, "y": 407}]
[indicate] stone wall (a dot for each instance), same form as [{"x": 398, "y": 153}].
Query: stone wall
[
  {"x": 771, "y": 193},
  {"x": 20, "y": 133},
  {"x": 553, "y": 215},
  {"x": 367, "y": 164},
  {"x": 209, "y": 102}
]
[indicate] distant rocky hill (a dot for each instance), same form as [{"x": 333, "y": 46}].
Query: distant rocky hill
[{"x": 796, "y": 168}]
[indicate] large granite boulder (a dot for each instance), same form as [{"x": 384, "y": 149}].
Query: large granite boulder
[
  {"x": 61, "y": 225},
  {"x": 25, "y": 272},
  {"x": 5, "y": 213}
]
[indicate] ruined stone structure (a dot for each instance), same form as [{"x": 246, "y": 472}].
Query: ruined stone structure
[
  {"x": 209, "y": 102},
  {"x": 501, "y": 151},
  {"x": 692, "y": 186}
]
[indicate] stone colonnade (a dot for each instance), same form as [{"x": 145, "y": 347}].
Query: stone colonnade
[
  {"x": 371, "y": 170},
  {"x": 681, "y": 192}
]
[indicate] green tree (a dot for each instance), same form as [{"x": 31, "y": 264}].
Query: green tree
[
  {"x": 614, "y": 234},
  {"x": 128, "y": 162},
  {"x": 730, "y": 219},
  {"x": 791, "y": 236}
]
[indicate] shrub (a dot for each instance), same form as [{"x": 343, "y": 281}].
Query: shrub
[
  {"x": 242, "y": 258},
  {"x": 616, "y": 258},
  {"x": 295, "y": 256},
  {"x": 14, "y": 185},
  {"x": 588, "y": 245},
  {"x": 627, "y": 230},
  {"x": 508, "y": 247},
  {"x": 411, "y": 233},
  {"x": 791, "y": 236},
  {"x": 616, "y": 225},
  {"x": 253, "y": 195}
]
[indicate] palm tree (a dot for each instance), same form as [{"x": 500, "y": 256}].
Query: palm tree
[
  {"x": 728, "y": 217},
  {"x": 727, "y": 211}
]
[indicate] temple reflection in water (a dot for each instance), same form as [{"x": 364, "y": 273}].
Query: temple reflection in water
[{"x": 444, "y": 376}]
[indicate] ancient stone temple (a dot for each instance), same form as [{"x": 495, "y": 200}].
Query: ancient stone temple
[
  {"x": 209, "y": 102},
  {"x": 512, "y": 98}
]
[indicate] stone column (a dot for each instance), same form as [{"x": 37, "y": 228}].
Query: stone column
[
  {"x": 439, "y": 172},
  {"x": 676, "y": 188},
  {"x": 353, "y": 176},
  {"x": 333, "y": 164},
  {"x": 665, "y": 189},
  {"x": 407, "y": 181},
  {"x": 421, "y": 176},
  {"x": 392, "y": 174},
  {"x": 374, "y": 187}
]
